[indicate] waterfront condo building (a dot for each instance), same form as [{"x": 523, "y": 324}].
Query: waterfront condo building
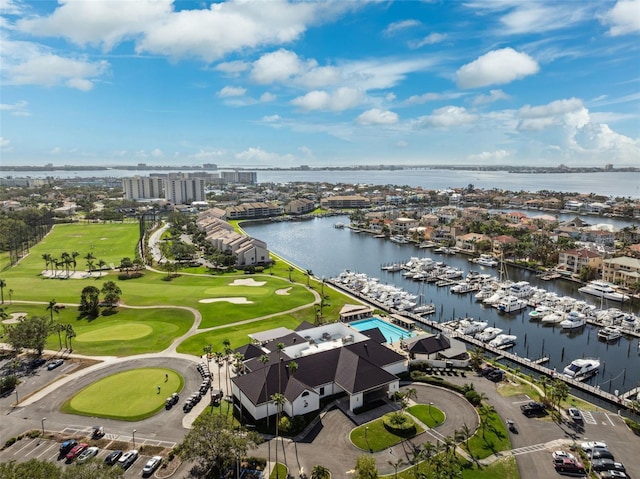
[
  {"x": 143, "y": 187},
  {"x": 181, "y": 191}
]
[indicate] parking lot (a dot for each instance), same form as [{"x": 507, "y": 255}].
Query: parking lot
[{"x": 49, "y": 450}]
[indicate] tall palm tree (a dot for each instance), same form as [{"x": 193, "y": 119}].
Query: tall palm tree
[
  {"x": 309, "y": 273},
  {"x": 101, "y": 264},
  {"x": 89, "y": 257},
  {"x": 397, "y": 464},
  {"x": 293, "y": 367},
  {"x": 74, "y": 255},
  {"x": 264, "y": 359},
  {"x": 227, "y": 352},
  {"x": 70, "y": 335},
  {"x": 58, "y": 328},
  {"x": 3, "y": 284},
  {"x": 279, "y": 401},
  {"x": 47, "y": 260},
  {"x": 66, "y": 259},
  {"x": 10, "y": 296},
  {"x": 219, "y": 358},
  {"x": 52, "y": 307},
  {"x": 485, "y": 411}
]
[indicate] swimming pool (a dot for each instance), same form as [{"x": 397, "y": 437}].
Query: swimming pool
[{"x": 391, "y": 332}]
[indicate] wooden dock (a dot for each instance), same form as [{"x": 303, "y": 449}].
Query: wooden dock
[{"x": 621, "y": 400}]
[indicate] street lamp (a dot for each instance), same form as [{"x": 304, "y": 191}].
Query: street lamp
[
  {"x": 17, "y": 400},
  {"x": 134, "y": 438},
  {"x": 366, "y": 436},
  {"x": 431, "y": 415},
  {"x": 43, "y": 420}
]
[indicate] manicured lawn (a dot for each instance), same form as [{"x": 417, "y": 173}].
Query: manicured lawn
[
  {"x": 237, "y": 335},
  {"x": 492, "y": 439},
  {"x": 373, "y": 436},
  {"x": 429, "y": 415},
  {"x": 128, "y": 396},
  {"x": 504, "y": 468}
]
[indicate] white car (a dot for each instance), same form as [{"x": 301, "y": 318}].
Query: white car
[
  {"x": 151, "y": 465},
  {"x": 589, "y": 446},
  {"x": 128, "y": 458},
  {"x": 87, "y": 454}
]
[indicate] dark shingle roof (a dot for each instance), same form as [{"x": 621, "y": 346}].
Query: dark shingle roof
[
  {"x": 249, "y": 351},
  {"x": 430, "y": 345},
  {"x": 375, "y": 334}
]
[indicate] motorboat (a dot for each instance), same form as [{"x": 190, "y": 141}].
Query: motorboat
[
  {"x": 486, "y": 260},
  {"x": 462, "y": 288},
  {"x": 582, "y": 368},
  {"x": 399, "y": 239},
  {"x": 602, "y": 289},
  {"x": 610, "y": 333},
  {"x": 424, "y": 309},
  {"x": 521, "y": 289},
  {"x": 555, "y": 317},
  {"x": 503, "y": 340},
  {"x": 511, "y": 304},
  {"x": 574, "y": 319},
  {"x": 488, "y": 334},
  {"x": 539, "y": 312},
  {"x": 471, "y": 327}
]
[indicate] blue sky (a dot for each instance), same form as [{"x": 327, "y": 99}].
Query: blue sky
[{"x": 335, "y": 83}]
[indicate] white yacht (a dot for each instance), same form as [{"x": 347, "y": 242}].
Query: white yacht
[
  {"x": 539, "y": 312},
  {"x": 486, "y": 260},
  {"x": 582, "y": 368},
  {"x": 511, "y": 304},
  {"x": 574, "y": 319},
  {"x": 602, "y": 289},
  {"x": 503, "y": 340},
  {"x": 556, "y": 317},
  {"x": 609, "y": 333},
  {"x": 521, "y": 289},
  {"x": 488, "y": 334},
  {"x": 471, "y": 327}
]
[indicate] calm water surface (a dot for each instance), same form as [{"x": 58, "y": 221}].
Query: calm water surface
[{"x": 327, "y": 251}]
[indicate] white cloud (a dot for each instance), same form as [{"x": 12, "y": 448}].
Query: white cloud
[
  {"x": 535, "y": 17},
  {"x": 338, "y": 100},
  {"x": 430, "y": 39},
  {"x": 278, "y": 66},
  {"x": 205, "y": 155},
  {"x": 401, "y": 25},
  {"x": 306, "y": 151},
  {"x": 10, "y": 7},
  {"x": 448, "y": 116},
  {"x": 555, "y": 113},
  {"x": 262, "y": 157},
  {"x": 157, "y": 153},
  {"x": 490, "y": 156},
  {"x": 401, "y": 144},
  {"x": 493, "y": 96},
  {"x": 496, "y": 67},
  {"x": 271, "y": 118},
  {"x": 233, "y": 68},
  {"x": 4, "y": 143},
  {"x": 623, "y": 18},
  {"x": 376, "y": 116},
  {"x": 427, "y": 97},
  {"x": 231, "y": 91},
  {"x": 17, "y": 109},
  {"x": 267, "y": 97}
]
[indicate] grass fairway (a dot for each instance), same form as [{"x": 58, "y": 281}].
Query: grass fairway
[
  {"x": 127, "y": 396},
  {"x": 237, "y": 335}
]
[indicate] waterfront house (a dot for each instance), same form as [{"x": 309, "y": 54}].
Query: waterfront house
[
  {"x": 574, "y": 260},
  {"x": 468, "y": 242},
  {"x": 299, "y": 206},
  {"x": 332, "y": 360},
  {"x": 501, "y": 243},
  {"x": 349, "y": 201},
  {"x": 622, "y": 270}
]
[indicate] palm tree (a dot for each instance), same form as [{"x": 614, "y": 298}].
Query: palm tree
[
  {"x": 47, "y": 260},
  {"x": 399, "y": 463},
  {"x": 101, "y": 264},
  {"x": 485, "y": 411},
  {"x": 464, "y": 434},
  {"x": 309, "y": 273},
  {"x": 89, "y": 257},
  {"x": 52, "y": 307},
  {"x": 58, "y": 328},
  {"x": 3, "y": 284},
  {"x": 320, "y": 472},
  {"x": 66, "y": 259},
  {"x": 219, "y": 358},
  {"x": 476, "y": 358},
  {"x": 10, "y": 296},
  {"x": 227, "y": 352},
  {"x": 428, "y": 451},
  {"x": 264, "y": 359},
  {"x": 279, "y": 401},
  {"x": 74, "y": 255},
  {"x": 290, "y": 270},
  {"x": 293, "y": 367},
  {"x": 70, "y": 335}
]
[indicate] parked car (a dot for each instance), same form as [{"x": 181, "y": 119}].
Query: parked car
[
  {"x": 54, "y": 364},
  {"x": 575, "y": 414},
  {"x": 605, "y": 464},
  {"x": 67, "y": 445},
  {"x": 600, "y": 453},
  {"x": 151, "y": 465},
  {"x": 587, "y": 446},
  {"x": 128, "y": 458},
  {"x": 76, "y": 451},
  {"x": 98, "y": 432},
  {"x": 533, "y": 408},
  {"x": 562, "y": 455},
  {"x": 571, "y": 466},
  {"x": 613, "y": 475},
  {"x": 87, "y": 454},
  {"x": 113, "y": 457}
]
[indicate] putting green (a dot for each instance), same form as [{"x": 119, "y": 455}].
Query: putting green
[
  {"x": 116, "y": 331},
  {"x": 129, "y": 396}
]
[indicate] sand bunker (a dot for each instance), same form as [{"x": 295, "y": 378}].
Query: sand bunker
[
  {"x": 72, "y": 275},
  {"x": 248, "y": 282},
  {"x": 283, "y": 292},
  {"x": 228, "y": 300},
  {"x": 13, "y": 318}
]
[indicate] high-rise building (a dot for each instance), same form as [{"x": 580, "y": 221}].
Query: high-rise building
[
  {"x": 143, "y": 187},
  {"x": 181, "y": 191},
  {"x": 242, "y": 177}
]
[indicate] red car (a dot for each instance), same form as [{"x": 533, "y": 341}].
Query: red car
[{"x": 75, "y": 452}]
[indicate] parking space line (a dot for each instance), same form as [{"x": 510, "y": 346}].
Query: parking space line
[
  {"x": 46, "y": 450},
  {"x": 609, "y": 418},
  {"x": 588, "y": 417},
  {"x": 23, "y": 447}
]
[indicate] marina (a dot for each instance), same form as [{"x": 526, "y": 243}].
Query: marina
[{"x": 305, "y": 245}]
